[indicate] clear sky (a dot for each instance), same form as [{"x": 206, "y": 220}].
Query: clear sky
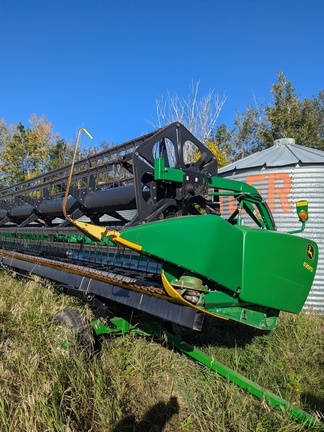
[{"x": 101, "y": 64}]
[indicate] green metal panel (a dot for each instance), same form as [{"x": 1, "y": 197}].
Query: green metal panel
[
  {"x": 165, "y": 173},
  {"x": 264, "y": 267},
  {"x": 278, "y": 269},
  {"x": 206, "y": 245}
]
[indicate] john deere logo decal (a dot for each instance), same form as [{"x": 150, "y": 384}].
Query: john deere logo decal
[{"x": 310, "y": 251}]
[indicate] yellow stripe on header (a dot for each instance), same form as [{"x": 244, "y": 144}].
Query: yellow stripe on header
[{"x": 116, "y": 238}]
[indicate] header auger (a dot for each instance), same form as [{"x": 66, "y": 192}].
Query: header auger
[{"x": 139, "y": 228}]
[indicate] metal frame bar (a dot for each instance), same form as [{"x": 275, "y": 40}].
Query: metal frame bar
[{"x": 151, "y": 328}]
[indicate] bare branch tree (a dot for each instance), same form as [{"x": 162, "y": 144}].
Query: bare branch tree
[{"x": 198, "y": 114}]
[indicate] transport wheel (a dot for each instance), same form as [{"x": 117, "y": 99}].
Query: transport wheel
[{"x": 74, "y": 331}]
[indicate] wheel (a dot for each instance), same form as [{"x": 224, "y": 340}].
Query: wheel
[{"x": 76, "y": 330}]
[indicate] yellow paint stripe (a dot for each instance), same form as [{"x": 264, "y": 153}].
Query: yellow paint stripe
[
  {"x": 113, "y": 233},
  {"x": 116, "y": 238}
]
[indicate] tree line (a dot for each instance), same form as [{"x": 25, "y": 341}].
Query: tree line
[{"x": 28, "y": 151}]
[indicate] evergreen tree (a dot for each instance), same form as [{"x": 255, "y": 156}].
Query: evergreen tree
[
  {"x": 285, "y": 117},
  {"x": 60, "y": 154}
]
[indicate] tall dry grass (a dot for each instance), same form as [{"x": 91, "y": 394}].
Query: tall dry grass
[{"x": 137, "y": 384}]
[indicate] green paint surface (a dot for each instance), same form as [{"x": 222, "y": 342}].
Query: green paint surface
[{"x": 263, "y": 267}]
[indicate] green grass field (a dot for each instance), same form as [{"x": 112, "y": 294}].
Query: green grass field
[{"x": 137, "y": 384}]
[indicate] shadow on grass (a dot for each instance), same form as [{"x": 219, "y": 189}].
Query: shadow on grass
[
  {"x": 223, "y": 333},
  {"x": 313, "y": 403},
  {"x": 154, "y": 420}
]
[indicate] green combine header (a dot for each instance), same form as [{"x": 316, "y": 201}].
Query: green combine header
[{"x": 140, "y": 226}]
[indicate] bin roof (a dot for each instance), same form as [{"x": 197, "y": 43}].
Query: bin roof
[{"x": 283, "y": 152}]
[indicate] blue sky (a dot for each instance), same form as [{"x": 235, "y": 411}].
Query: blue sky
[{"x": 101, "y": 64}]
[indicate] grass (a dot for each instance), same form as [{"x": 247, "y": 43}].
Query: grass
[{"x": 137, "y": 384}]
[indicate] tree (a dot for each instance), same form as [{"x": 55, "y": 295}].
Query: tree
[
  {"x": 27, "y": 152},
  {"x": 290, "y": 117},
  {"x": 219, "y": 144},
  {"x": 13, "y": 155},
  {"x": 286, "y": 116},
  {"x": 248, "y": 131},
  {"x": 198, "y": 114},
  {"x": 60, "y": 154}
]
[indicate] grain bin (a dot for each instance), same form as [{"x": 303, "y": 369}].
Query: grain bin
[{"x": 284, "y": 174}]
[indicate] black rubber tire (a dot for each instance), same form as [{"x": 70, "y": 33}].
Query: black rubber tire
[{"x": 81, "y": 330}]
